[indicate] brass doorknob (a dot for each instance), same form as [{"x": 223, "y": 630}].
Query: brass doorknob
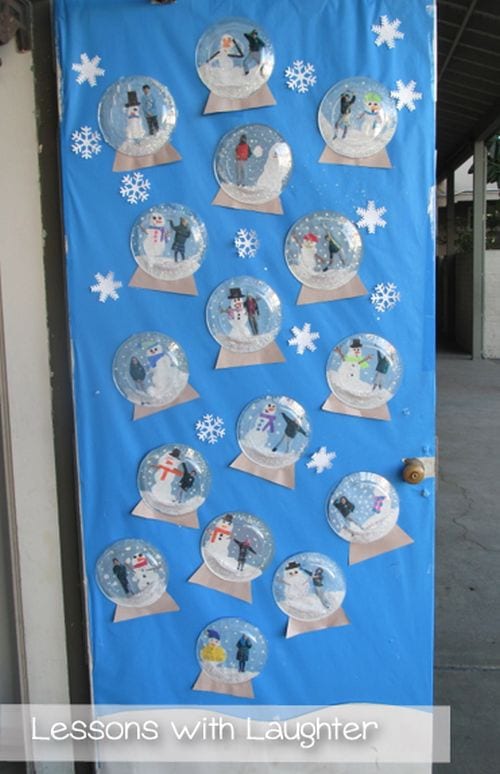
[{"x": 413, "y": 471}]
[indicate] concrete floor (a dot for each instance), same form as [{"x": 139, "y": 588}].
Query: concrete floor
[{"x": 467, "y": 675}]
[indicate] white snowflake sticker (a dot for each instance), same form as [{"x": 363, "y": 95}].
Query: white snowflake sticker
[
  {"x": 246, "y": 242},
  {"x": 88, "y": 69},
  {"x": 371, "y": 217},
  {"x": 387, "y": 32},
  {"x": 86, "y": 142},
  {"x": 106, "y": 286},
  {"x": 385, "y": 296},
  {"x": 135, "y": 188},
  {"x": 300, "y": 76},
  {"x": 303, "y": 338},
  {"x": 210, "y": 429},
  {"x": 321, "y": 460},
  {"x": 406, "y": 95}
]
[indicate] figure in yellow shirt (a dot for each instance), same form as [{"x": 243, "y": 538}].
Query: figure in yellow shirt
[{"x": 213, "y": 650}]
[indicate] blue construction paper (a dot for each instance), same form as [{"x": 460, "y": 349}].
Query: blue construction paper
[{"x": 385, "y": 654}]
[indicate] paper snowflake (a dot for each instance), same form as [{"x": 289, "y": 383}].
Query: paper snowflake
[
  {"x": 210, "y": 429},
  {"x": 321, "y": 460},
  {"x": 385, "y": 296},
  {"x": 246, "y": 242},
  {"x": 406, "y": 95},
  {"x": 106, "y": 286},
  {"x": 135, "y": 188},
  {"x": 86, "y": 142},
  {"x": 387, "y": 32},
  {"x": 303, "y": 338},
  {"x": 371, "y": 217},
  {"x": 300, "y": 76},
  {"x": 88, "y": 69}
]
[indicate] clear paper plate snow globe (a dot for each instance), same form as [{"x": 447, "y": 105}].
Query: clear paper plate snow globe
[
  {"x": 357, "y": 117},
  {"x": 137, "y": 115},
  {"x": 253, "y": 164},
  {"x": 234, "y": 58},
  {"x": 364, "y": 371},
  {"x": 168, "y": 241},
  {"x": 132, "y": 573},
  {"x": 231, "y": 650},
  {"x": 363, "y": 508},
  {"x": 150, "y": 369},
  {"x": 244, "y": 314},
  {"x": 309, "y": 586},
  {"x": 273, "y": 431},
  {"x": 323, "y": 250},
  {"x": 237, "y": 546},
  {"x": 174, "y": 479}
]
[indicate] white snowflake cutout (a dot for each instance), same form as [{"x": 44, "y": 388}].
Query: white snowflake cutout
[
  {"x": 371, "y": 217},
  {"x": 106, "y": 286},
  {"x": 246, "y": 242},
  {"x": 303, "y": 338},
  {"x": 385, "y": 296},
  {"x": 406, "y": 95},
  {"x": 135, "y": 188},
  {"x": 321, "y": 460},
  {"x": 88, "y": 69},
  {"x": 387, "y": 32},
  {"x": 300, "y": 76},
  {"x": 86, "y": 142},
  {"x": 210, "y": 429}
]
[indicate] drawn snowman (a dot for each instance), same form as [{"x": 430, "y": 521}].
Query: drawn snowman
[
  {"x": 309, "y": 258},
  {"x": 221, "y": 538},
  {"x": 222, "y": 61},
  {"x": 135, "y": 130},
  {"x": 155, "y": 241},
  {"x": 296, "y": 582},
  {"x": 168, "y": 475},
  {"x": 276, "y": 168},
  {"x": 237, "y": 316},
  {"x": 163, "y": 370},
  {"x": 348, "y": 375},
  {"x": 143, "y": 574},
  {"x": 264, "y": 426}
]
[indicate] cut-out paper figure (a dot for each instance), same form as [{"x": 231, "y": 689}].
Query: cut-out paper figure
[
  {"x": 213, "y": 650},
  {"x": 255, "y": 49},
  {"x": 318, "y": 581},
  {"x": 343, "y": 505},
  {"x": 135, "y": 129},
  {"x": 182, "y": 233},
  {"x": 229, "y": 50},
  {"x": 252, "y": 307},
  {"x": 144, "y": 574},
  {"x": 371, "y": 117},
  {"x": 221, "y": 537},
  {"x": 187, "y": 482},
  {"x": 150, "y": 110},
  {"x": 244, "y": 548},
  {"x": 237, "y": 314},
  {"x": 353, "y": 364},
  {"x": 296, "y": 583},
  {"x": 292, "y": 428},
  {"x": 347, "y": 99},
  {"x": 137, "y": 372},
  {"x": 120, "y": 571},
  {"x": 242, "y": 153},
  {"x": 163, "y": 370},
  {"x": 243, "y": 652},
  {"x": 381, "y": 369},
  {"x": 378, "y": 503},
  {"x": 168, "y": 477},
  {"x": 334, "y": 250},
  {"x": 156, "y": 236}
]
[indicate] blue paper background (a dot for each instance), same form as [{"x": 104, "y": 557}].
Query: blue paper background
[{"x": 385, "y": 655}]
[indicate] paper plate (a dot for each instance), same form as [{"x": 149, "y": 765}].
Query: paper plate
[
  {"x": 244, "y": 314},
  {"x": 137, "y": 115},
  {"x": 174, "y": 479},
  {"x": 364, "y": 371},
  {"x": 253, "y": 164},
  {"x": 234, "y": 58},
  {"x": 150, "y": 369},
  {"x": 357, "y": 117},
  {"x": 132, "y": 573},
  {"x": 363, "y": 508},
  {"x": 273, "y": 431},
  {"x": 237, "y": 546},
  {"x": 323, "y": 250},
  {"x": 168, "y": 241},
  {"x": 231, "y": 650},
  {"x": 309, "y": 586}
]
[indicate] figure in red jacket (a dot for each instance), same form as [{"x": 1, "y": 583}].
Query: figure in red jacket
[{"x": 242, "y": 153}]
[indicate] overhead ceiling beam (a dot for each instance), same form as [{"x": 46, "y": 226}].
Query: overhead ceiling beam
[{"x": 456, "y": 41}]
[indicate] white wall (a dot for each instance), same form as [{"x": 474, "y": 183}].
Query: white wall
[{"x": 491, "y": 348}]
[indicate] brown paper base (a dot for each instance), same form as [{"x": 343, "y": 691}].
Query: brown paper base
[
  {"x": 166, "y": 155},
  {"x": 281, "y": 476},
  {"x": 270, "y": 354},
  {"x": 186, "y": 395},
  {"x": 351, "y": 289},
  {"x": 379, "y": 160},
  {"x": 203, "y": 577},
  {"x": 166, "y": 604},
  {"x": 224, "y": 200},
  {"x": 241, "y": 690},
  {"x": 338, "y": 618},
  {"x": 397, "y": 538},
  {"x": 335, "y": 406},
  {"x": 145, "y": 512},
  {"x": 185, "y": 286},
  {"x": 261, "y": 98}
]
